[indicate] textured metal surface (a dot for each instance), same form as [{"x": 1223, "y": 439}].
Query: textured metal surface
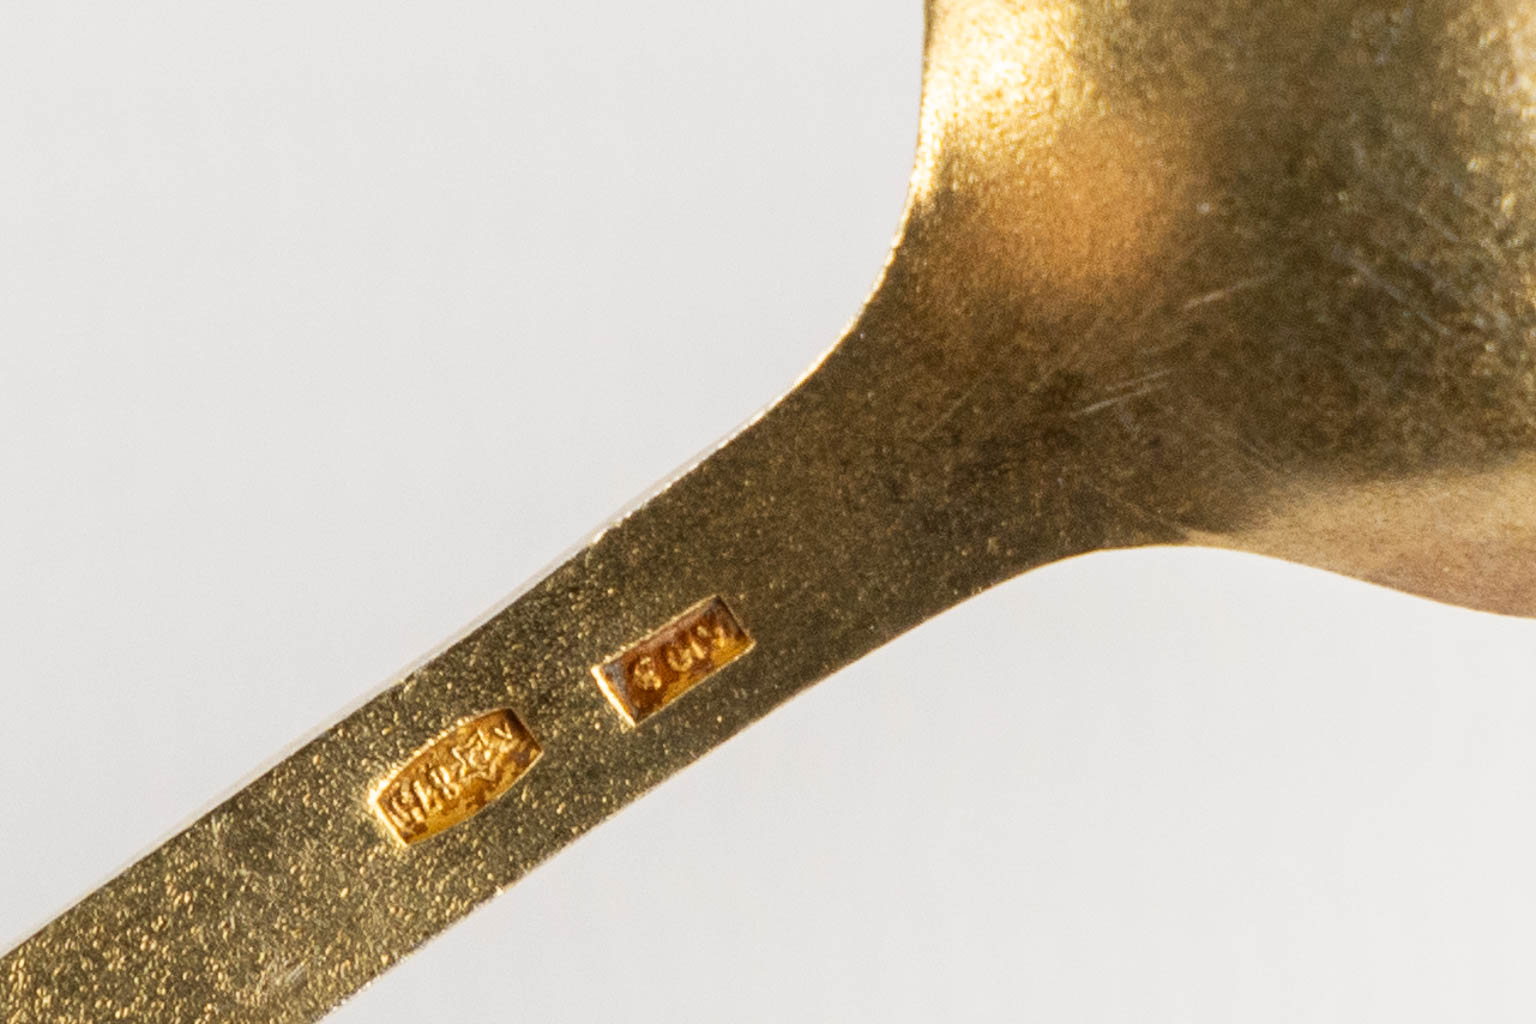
[{"x": 1243, "y": 274}]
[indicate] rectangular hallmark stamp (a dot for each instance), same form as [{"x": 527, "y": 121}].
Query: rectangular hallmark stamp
[
  {"x": 454, "y": 776},
  {"x": 673, "y": 660}
]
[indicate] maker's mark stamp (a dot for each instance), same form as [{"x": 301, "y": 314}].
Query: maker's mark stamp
[
  {"x": 674, "y": 659},
  {"x": 454, "y": 776}
]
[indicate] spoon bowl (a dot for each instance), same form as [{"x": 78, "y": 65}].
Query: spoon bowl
[{"x": 1248, "y": 275}]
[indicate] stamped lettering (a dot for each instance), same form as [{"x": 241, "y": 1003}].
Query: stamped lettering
[
  {"x": 454, "y": 776},
  {"x": 674, "y": 659}
]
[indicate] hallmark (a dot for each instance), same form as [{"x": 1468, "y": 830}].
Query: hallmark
[
  {"x": 673, "y": 660},
  {"x": 453, "y": 777}
]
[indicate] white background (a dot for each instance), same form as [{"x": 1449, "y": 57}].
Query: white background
[{"x": 321, "y": 327}]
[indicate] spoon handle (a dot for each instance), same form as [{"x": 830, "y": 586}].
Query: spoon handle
[{"x": 790, "y": 551}]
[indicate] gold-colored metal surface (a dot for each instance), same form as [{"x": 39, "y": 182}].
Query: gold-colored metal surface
[{"x": 1243, "y": 273}]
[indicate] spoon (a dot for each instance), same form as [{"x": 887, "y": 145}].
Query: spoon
[{"x": 1239, "y": 277}]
